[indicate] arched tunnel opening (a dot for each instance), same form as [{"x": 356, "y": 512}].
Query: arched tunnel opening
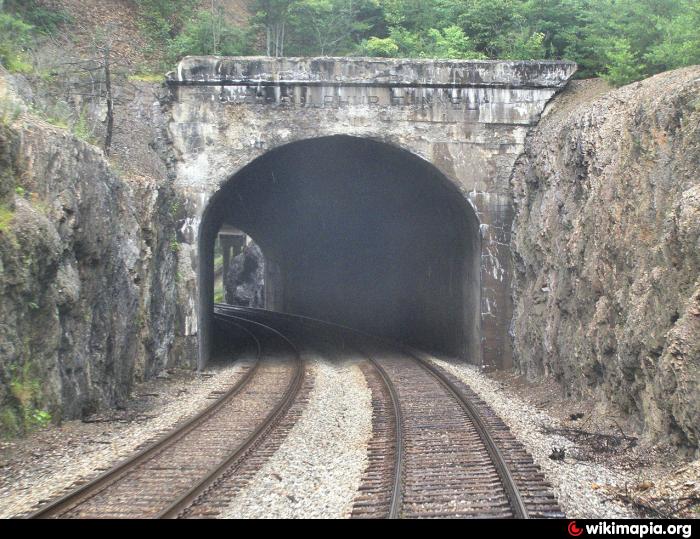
[{"x": 356, "y": 232}]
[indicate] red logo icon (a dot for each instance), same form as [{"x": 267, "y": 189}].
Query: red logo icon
[{"x": 574, "y": 530}]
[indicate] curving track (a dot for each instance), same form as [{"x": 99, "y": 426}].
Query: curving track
[
  {"x": 161, "y": 480},
  {"x": 436, "y": 450}
]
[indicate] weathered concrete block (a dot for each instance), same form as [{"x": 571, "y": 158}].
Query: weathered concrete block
[{"x": 469, "y": 119}]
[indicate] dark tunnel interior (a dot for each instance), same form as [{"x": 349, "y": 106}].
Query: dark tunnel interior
[{"x": 359, "y": 233}]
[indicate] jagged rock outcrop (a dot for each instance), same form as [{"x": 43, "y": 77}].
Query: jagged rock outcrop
[
  {"x": 87, "y": 274},
  {"x": 245, "y": 281},
  {"x": 607, "y": 250}
]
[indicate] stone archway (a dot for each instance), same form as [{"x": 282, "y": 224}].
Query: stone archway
[
  {"x": 356, "y": 232},
  {"x": 468, "y": 119}
]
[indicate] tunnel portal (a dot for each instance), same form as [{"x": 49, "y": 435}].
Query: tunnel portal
[
  {"x": 356, "y": 232},
  {"x": 351, "y": 226}
]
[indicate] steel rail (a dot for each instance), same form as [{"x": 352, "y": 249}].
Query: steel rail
[
  {"x": 397, "y": 490},
  {"x": 256, "y": 437},
  {"x": 396, "y": 495},
  {"x": 99, "y": 484},
  {"x": 509, "y": 485}
]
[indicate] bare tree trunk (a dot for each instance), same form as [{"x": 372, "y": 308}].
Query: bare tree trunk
[
  {"x": 110, "y": 103},
  {"x": 282, "y": 41},
  {"x": 214, "y": 27}
]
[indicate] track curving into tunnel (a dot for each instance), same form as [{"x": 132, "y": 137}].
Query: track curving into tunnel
[
  {"x": 436, "y": 451},
  {"x": 164, "y": 479}
]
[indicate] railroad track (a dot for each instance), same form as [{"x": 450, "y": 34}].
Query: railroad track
[
  {"x": 162, "y": 480},
  {"x": 437, "y": 451}
]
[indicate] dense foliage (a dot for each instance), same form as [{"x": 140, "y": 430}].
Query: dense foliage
[
  {"x": 20, "y": 21},
  {"x": 181, "y": 28},
  {"x": 621, "y": 40},
  {"x": 15, "y": 35},
  {"x": 34, "y": 13}
]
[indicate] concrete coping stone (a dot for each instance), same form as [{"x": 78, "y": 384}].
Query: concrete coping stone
[{"x": 327, "y": 71}]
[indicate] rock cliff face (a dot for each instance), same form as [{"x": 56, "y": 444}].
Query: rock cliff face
[
  {"x": 245, "y": 281},
  {"x": 607, "y": 250},
  {"x": 87, "y": 278}
]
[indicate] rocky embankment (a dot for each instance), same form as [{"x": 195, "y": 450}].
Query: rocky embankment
[
  {"x": 607, "y": 251},
  {"x": 245, "y": 281},
  {"x": 87, "y": 273}
]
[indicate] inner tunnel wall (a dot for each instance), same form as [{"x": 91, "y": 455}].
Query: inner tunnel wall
[{"x": 359, "y": 233}]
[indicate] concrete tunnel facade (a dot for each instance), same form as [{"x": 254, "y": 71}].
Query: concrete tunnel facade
[
  {"x": 389, "y": 247},
  {"x": 360, "y": 233}
]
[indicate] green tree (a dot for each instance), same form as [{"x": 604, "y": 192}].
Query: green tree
[
  {"x": 489, "y": 23},
  {"x": 207, "y": 33},
  {"x": 21, "y": 23},
  {"x": 525, "y": 46},
  {"x": 274, "y": 16},
  {"x": 380, "y": 46},
  {"x": 560, "y": 22},
  {"x": 621, "y": 35},
  {"x": 450, "y": 42},
  {"x": 622, "y": 65},
  {"x": 410, "y": 43},
  {"x": 15, "y": 38},
  {"x": 42, "y": 18},
  {"x": 329, "y": 27},
  {"x": 621, "y": 40},
  {"x": 680, "y": 44},
  {"x": 164, "y": 19}
]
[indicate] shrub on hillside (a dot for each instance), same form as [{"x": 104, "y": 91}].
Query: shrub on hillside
[
  {"x": 207, "y": 34},
  {"x": 42, "y": 18},
  {"x": 15, "y": 37}
]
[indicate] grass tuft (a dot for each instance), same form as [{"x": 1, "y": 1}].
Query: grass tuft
[
  {"x": 152, "y": 78},
  {"x": 7, "y": 215}
]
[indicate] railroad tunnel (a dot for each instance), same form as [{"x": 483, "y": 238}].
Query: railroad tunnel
[{"x": 356, "y": 232}]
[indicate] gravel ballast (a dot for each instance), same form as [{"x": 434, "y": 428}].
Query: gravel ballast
[
  {"x": 318, "y": 468},
  {"x": 48, "y": 462},
  {"x": 577, "y": 484}
]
